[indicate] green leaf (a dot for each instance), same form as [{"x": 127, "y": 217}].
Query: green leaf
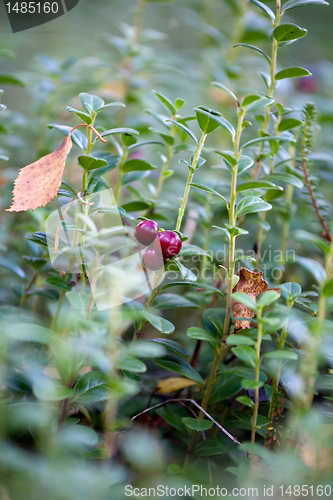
[
  {"x": 314, "y": 267},
  {"x": 294, "y": 72},
  {"x": 239, "y": 340},
  {"x": 173, "y": 415},
  {"x": 59, "y": 283},
  {"x": 209, "y": 190},
  {"x": 245, "y": 299},
  {"x": 175, "y": 265},
  {"x": 90, "y": 162},
  {"x": 79, "y": 139},
  {"x": 281, "y": 354},
  {"x": 187, "y": 250},
  {"x": 35, "y": 262},
  {"x": 79, "y": 301},
  {"x": 171, "y": 301},
  {"x": 245, "y": 400},
  {"x": 209, "y": 448},
  {"x": 288, "y": 179},
  {"x": 319, "y": 242},
  {"x": 267, "y": 298},
  {"x": 136, "y": 205},
  {"x": 92, "y": 387},
  {"x": 136, "y": 165},
  {"x": 226, "y": 387},
  {"x": 186, "y": 129},
  {"x": 167, "y": 103},
  {"x": 262, "y": 102},
  {"x": 172, "y": 345},
  {"x": 290, "y": 291},
  {"x": 244, "y": 163},
  {"x": 264, "y": 8},
  {"x": 203, "y": 286},
  {"x": 84, "y": 116},
  {"x": 288, "y": 32},
  {"x": 174, "y": 364},
  {"x": 179, "y": 103},
  {"x": 91, "y": 103},
  {"x": 199, "y": 334},
  {"x": 252, "y": 204},
  {"x": 223, "y": 87},
  {"x": 14, "y": 268},
  {"x": 29, "y": 332},
  {"x": 245, "y": 354},
  {"x": 131, "y": 364},
  {"x": 252, "y": 47},
  {"x": 257, "y": 185},
  {"x": 206, "y": 124},
  {"x": 218, "y": 118},
  {"x": 268, "y": 138},
  {"x": 288, "y": 124},
  {"x": 197, "y": 424},
  {"x": 122, "y": 130},
  {"x": 293, "y": 4},
  {"x": 249, "y": 385},
  {"x": 161, "y": 324},
  {"x": 11, "y": 80}
]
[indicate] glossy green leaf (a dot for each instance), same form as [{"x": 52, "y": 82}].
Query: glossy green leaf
[
  {"x": 11, "y": 80},
  {"x": 90, "y": 162},
  {"x": 84, "y": 116},
  {"x": 288, "y": 179},
  {"x": 281, "y": 354},
  {"x": 252, "y": 204},
  {"x": 209, "y": 190},
  {"x": 174, "y": 364},
  {"x": 206, "y": 123},
  {"x": 288, "y": 32},
  {"x": 122, "y": 130},
  {"x": 197, "y": 424},
  {"x": 210, "y": 447},
  {"x": 226, "y": 387},
  {"x": 228, "y": 91},
  {"x": 11, "y": 266},
  {"x": 59, "y": 283},
  {"x": 172, "y": 345},
  {"x": 171, "y": 301},
  {"x": 167, "y": 103},
  {"x": 200, "y": 334},
  {"x": 245, "y": 353},
  {"x": 295, "y": 72},
  {"x": 257, "y": 185},
  {"x": 135, "y": 165},
  {"x": 288, "y": 124},
  {"x": 218, "y": 118},
  {"x": 239, "y": 340},
  {"x": 245, "y": 299},
  {"x": 186, "y": 129},
  {"x": 268, "y": 138},
  {"x": 92, "y": 387},
  {"x": 252, "y": 47},
  {"x": 264, "y": 8},
  {"x": 173, "y": 415},
  {"x": 132, "y": 364},
  {"x": 294, "y": 4},
  {"x": 249, "y": 384},
  {"x": 161, "y": 324}
]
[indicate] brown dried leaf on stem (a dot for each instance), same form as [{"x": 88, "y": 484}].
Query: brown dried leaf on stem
[
  {"x": 252, "y": 284},
  {"x": 38, "y": 183}
]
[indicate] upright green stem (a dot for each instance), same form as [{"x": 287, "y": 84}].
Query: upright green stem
[
  {"x": 189, "y": 180},
  {"x": 120, "y": 175},
  {"x": 275, "y": 45},
  {"x": 222, "y": 350},
  {"x": 257, "y": 376}
]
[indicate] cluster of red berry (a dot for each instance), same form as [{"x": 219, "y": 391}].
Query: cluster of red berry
[{"x": 160, "y": 246}]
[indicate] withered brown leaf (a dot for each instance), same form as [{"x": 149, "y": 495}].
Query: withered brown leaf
[
  {"x": 38, "y": 183},
  {"x": 253, "y": 285}
]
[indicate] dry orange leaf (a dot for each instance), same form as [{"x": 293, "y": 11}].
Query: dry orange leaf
[
  {"x": 38, "y": 183},
  {"x": 174, "y": 384},
  {"x": 253, "y": 285}
]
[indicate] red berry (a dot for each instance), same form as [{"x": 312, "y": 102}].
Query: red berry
[
  {"x": 153, "y": 259},
  {"x": 170, "y": 242},
  {"x": 146, "y": 232}
]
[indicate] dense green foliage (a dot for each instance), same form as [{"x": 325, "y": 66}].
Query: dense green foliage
[{"x": 216, "y": 375}]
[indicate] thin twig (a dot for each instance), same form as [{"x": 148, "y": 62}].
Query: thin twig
[{"x": 195, "y": 404}]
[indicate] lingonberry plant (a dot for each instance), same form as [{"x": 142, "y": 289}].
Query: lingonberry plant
[{"x": 171, "y": 312}]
